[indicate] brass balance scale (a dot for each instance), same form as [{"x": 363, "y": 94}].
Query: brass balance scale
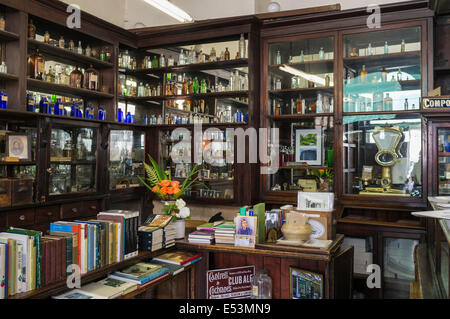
[{"x": 388, "y": 141}]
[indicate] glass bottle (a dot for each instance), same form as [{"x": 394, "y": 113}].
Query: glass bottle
[
  {"x": 89, "y": 112},
  {"x": 212, "y": 55},
  {"x": 327, "y": 80},
  {"x": 134, "y": 64},
  {"x": 61, "y": 42},
  {"x": 387, "y": 103},
  {"x": 181, "y": 58},
  {"x": 103, "y": 55},
  {"x": 3, "y": 100},
  {"x": 399, "y": 75},
  {"x": 58, "y": 108},
  {"x": 72, "y": 46},
  {"x": 195, "y": 86},
  {"x": 299, "y": 106},
  {"x": 46, "y": 37},
  {"x": 36, "y": 66},
  {"x": 91, "y": 79},
  {"x": 363, "y": 74},
  {"x": 44, "y": 105},
  {"x": 384, "y": 75},
  {"x": 31, "y": 107},
  {"x": 76, "y": 78},
  {"x": 80, "y": 48},
  {"x": 403, "y": 46},
  {"x": 321, "y": 54},
  {"x": 185, "y": 88},
  {"x": 50, "y": 76},
  {"x": 227, "y": 54},
  {"x": 203, "y": 86},
  {"x": 386, "y": 47},
  {"x": 155, "y": 62},
  {"x": 278, "y": 84},
  {"x": 302, "y": 56},
  {"x": 162, "y": 61},
  {"x": 88, "y": 51},
  {"x": 3, "y": 67},
  {"x": 406, "y": 105},
  {"x": 101, "y": 114},
  {"x": 120, "y": 118},
  {"x": 31, "y": 30},
  {"x": 369, "y": 49},
  {"x": 64, "y": 78},
  {"x": 278, "y": 57},
  {"x": 2, "y": 23},
  {"x": 170, "y": 61},
  {"x": 242, "y": 50}
]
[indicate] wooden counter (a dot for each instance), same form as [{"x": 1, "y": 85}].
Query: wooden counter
[{"x": 334, "y": 264}]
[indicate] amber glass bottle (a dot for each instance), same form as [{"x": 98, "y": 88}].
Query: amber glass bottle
[
  {"x": 36, "y": 66},
  {"x": 76, "y": 78},
  {"x": 91, "y": 79}
]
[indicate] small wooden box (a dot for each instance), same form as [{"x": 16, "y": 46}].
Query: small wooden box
[
  {"x": 22, "y": 191},
  {"x": 323, "y": 221},
  {"x": 5, "y": 192}
]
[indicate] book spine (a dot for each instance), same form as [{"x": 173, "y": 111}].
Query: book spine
[
  {"x": 52, "y": 277},
  {"x": 63, "y": 258},
  {"x": 69, "y": 253},
  {"x": 20, "y": 268},
  {"x": 3, "y": 267}
]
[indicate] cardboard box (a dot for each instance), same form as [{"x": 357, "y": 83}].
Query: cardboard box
[{"x": 323, "y": 223}]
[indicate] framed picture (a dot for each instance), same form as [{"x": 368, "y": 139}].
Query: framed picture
[
  {"x": 305, "y": 284},
  {"x": 315, "y": 201},
  {"x": 308, "y": 146},
  {"x": 19, "y": 146},
  {"x": 273, "y": 225}
]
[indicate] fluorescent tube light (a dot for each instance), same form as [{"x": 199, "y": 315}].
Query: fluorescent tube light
[
  {"x": 307, "y": 76},
  {"x": 171, "y": 9}
]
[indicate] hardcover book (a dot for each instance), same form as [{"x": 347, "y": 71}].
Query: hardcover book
[
  {"x": 177, "y": 257},
  {"x": 109, "y": 288}
]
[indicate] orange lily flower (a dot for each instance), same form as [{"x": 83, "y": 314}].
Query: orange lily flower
[
  {"x": 155, "y": 189},
  {"x": 165, "y": 183},
  {"x": 175, "y": 184}
]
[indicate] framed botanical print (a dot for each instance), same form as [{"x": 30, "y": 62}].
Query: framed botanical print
[
  {"x": 18, "y": 146},
  {"x": 305, "y": 284},
  {"x": 308, "y": 146}
]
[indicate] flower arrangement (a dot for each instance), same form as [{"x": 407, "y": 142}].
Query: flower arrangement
[
  {"x": 326, "y": 179},
  {"x": 169, "y": 191}
]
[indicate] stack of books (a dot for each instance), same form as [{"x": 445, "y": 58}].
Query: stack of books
[
  {"x": 150, "y": 238},
  {"x": 179, "y": 258},
  {"x": 201, "y": 237},
  {"x": 224, "y": 233},
  {"x": 142, "y": 274},
  {"x": 169, "y": 235}
]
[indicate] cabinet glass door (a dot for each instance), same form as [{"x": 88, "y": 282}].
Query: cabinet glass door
[
  {"x": 300, "y": 103},
  {"x": 126, "y": 157},
  {"x": 73, "y": 153},
  {"x": 382, "y": 71},
  {"x": 444, "y": 161}
]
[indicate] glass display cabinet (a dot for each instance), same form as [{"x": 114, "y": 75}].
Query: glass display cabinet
[
  {"x": 126, "y": 157},
  {"x": 204, "y": 82},
  {"x": 73, "y": 160},
  {"x": 300, "y": 102},
  {"x": 18, "y": 140}
]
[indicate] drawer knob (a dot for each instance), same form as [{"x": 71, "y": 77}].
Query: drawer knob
[
  {"x": 22, "y": 217},
  {"x": 74, "y": 210},
  {"x": 50, "y": 214},
  {"x": 93, "y": 207}
]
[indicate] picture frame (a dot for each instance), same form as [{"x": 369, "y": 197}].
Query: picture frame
[
  {"x": 273, "y": 225},
  {"x": 246, "y": 230},
  {"x": 308, "y": 146},
  {"x": 305, "y": 284},
  {"x": 315, "y": 201},
  {"x": 18, "y": 146}
]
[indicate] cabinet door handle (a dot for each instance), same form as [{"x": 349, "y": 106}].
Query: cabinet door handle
[
  {"x": 74, "y": 210},
  {"x": 50, "y": 214},
  {"x": 93, "y": 207},
  {"x": 22, "y": 217}
]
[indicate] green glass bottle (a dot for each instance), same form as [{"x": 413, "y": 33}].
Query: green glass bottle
[
  {"x": 203, "y": 86},
  {"x": 195, "y": 88},
  {"x": 154, "y": 62}
]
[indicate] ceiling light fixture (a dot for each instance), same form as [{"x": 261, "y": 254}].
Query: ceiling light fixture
[{"x": 171, "y": 9}]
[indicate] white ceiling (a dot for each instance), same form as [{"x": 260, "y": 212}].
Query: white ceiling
[{"x": 128, "y": 13}]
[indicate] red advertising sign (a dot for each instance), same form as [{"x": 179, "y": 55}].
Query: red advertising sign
[{"x": 231, "y": 283}]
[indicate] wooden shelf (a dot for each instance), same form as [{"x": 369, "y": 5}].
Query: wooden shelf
[
  {"x": 60, "y": 286},
  {"x": 413, "y": 224},
  {"x": 277, "y": 66},
  {"x": 217, "y": 180},
  {"x": 52, "y": 88},
  {"x": 8, "y": 76},
  {"x": 230, "y": 64},
  {"x": 444, "y": 154},
  {"x": 442, "y": 69},
  {"x": 305, "y": 167},
  {"x": 418, "y": 111},
  {"x": 8, "y": 36},
  {"x": 20, "y": 163},
  {"x": 286, "y": 117},
  {"x": 384, "y": 58},
  {"x": 303, "y": 90},
  {"x": 73, "y": 162},
  {"x": 65, "y": 55},
  {"x": 381, "y": 86}
]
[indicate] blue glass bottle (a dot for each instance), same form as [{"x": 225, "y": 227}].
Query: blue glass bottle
[
  {"x": 120, "y": 118},
  {"x": 3, "y": 100},
  {"x": 58, "y": 108},
  {"x": 238, "y": 116},
  {"x": 79, "y": 113},
  {"x": 145, "y": 120},
  {"x": 43, "y": 105},
  {"x": 89, "y": 112},
  {"x": 128, "y": 118},
  {"x": 246, "y": 117},
  {"x": 31, "y": 107},
  {"x": 101, "y": 114},
  {"x": 73, "y": 109}
]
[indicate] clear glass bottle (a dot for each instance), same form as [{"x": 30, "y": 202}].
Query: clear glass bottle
[
  {"x": 302, "y": 56},
  {"x": 278, "y": 57},
  {"x": 386, "y": 47},
  {"x": 403, "y": 46},
  {"x": 242, "y": 53},
  {"x": 213, "y": 55},
  {"x": 80, "y": 48},
  {"x": 181, "y": 58},
  {"x": 61, "y": 42},
  {"x": 321, "y": 54},
  {"x": 162, "y": 61},
  {"x": 88, "y": 51},
  {"x": 369, "y": 49},
  {"x": 261, "y": 285}
]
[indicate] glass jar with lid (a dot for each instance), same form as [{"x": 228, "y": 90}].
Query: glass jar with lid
[
  {"x": 91, "y": 79},
  {"x": 261, "y": 285},
  {"x": 76, "y": 78},
  {"x": 36, "y": 66}
]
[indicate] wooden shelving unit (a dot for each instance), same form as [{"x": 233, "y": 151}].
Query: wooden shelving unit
[
  {"x": 53, "y": 88},
  {"x": 8, "y": 36}
]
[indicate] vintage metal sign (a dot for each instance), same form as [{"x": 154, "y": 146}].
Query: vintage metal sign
[
  {"x": 436, "y": 102},
  {"x": 231, "y": 283}
]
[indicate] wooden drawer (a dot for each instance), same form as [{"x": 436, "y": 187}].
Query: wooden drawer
[
  {"x": 20, "y": 218},
  {"x": 91, "y": 208},
  {"x": 47, "y": 214},
  {"x": 72, "y": 210}
]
